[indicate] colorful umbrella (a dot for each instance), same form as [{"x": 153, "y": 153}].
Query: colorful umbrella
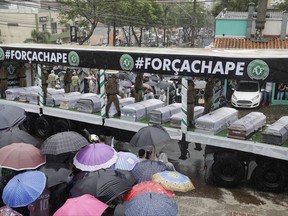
[
  {"x": 24, "y": 189},
  {"x": 11, "y": 116},
  {"x": 7, "y": 211},
  {"x": 21, "y": 156},
  {"x": 151, "y": 203},
  {"x": 63, "y": 142},
  {"x": 126, "y": 161},
  {"x": 145, "y": 169},
  {"x": 106, "y": 185},
  {"x": 15, "y": 135},
  {"x": 95, "y": 157},
  {"x": 56, "y": 173},
  {"x": 147, "y": 186},
  {"x": 173, "y": 180},
  {"x": 86, "y": 205}
]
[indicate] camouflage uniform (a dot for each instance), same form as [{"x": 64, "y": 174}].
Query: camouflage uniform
[
  {"x": 75, "y": 83},
  {"x": 3, "y": 81},
  {"x": 191, "y": 98},
  {"x": 67, "y": 80},
  {"x": 44, "y": 83},
  {"x": 21, "y": 73},
  {"x": 208, "y": 96},
  {"x": 138, "y": 86},
  {"x": 111, "y": 92}
]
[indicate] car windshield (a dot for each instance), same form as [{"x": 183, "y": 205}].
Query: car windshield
[{"x": 247, "y": 87}]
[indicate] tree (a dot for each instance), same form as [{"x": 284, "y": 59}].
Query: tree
[
  {"x": 232, "y": 5},
  {"x": 85, "y": 14},
  {"x": 38, "y": 37},
  {"x": 282, "y": 6}
]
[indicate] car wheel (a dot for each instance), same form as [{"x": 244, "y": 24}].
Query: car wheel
[
  {"x": 270, "y": 177},
  {"x": 29, "y": 123},
  {"x": 43, "y": 127},
  {"x": 227, "y": 170},
  {"x": 61, "y": 125}
]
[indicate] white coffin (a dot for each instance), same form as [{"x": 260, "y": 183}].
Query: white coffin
[
  {"x": 55, "y": 99},
  {"x": 140, "y": 110},
  {"x": 27, "y": 92},
  {"x": 216, "y": 121},
  {"x": 163, "y": 114},
  {"x": 122, "y": 102},
  {"x": 277, "y": 133},
  {"x": 175, "y": 120},
  {"x": 89, "y": 103},
  {"x": 244, "y": 127}
]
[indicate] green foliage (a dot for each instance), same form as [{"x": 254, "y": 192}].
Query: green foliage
[
  {"x": 282, "y": 6},
  {"x": 38, "y": 37}
]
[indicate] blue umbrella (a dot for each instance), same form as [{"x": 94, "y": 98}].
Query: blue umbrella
[
  {"x": 24, "y": 189},
  {"x": 173, "y": 180},
  {"x": 126, "y": 161},
  {"x": 144, "y": 170},
  {"x": 151, "y": 203}
]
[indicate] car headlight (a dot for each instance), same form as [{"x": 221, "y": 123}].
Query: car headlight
[
  {"x": 234, "y": 97},
  {"x": 255, "y": 98}
]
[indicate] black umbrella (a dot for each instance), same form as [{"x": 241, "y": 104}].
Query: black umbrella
[
  {"x": 63, "y": 142},
  {"x": 11, "y": 116},
  {"x": 145, "y": 169},
  {"x": 152, "y": 135},
  {"x": 15, "y": 135},
  {"x": 56, "y": 173},
  {"x": 105, "y": 185},
  {"x": 164, "y": 85},
  {"x": 151, "y": 83}
]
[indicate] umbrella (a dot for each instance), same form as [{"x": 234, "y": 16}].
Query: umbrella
[
  {"x": 15, "y": 135},
  {"x": 151, "y": 83},
  {"x": 21, "y": 156},
  {"x": 145, "y": 169},
  {"x": 11, "y": 116},
  {"x": 83, "y": 205},
  {"x": 24, "y": 189},
  {"x": 147, "y": 86},
  {"x": 146, "y": 74},
  {"x": 63, "y": 142},
  {"x": 151, "y": 203},
  {"x": 126, "y": 161},
  {"x": 125, "y": 83},
  {"x": 106, "y": 185},
  {"x": 154, "y": 78},
  {"x": 152, "y": 135},
  {"x": 173, "y": 180},
  {"x": 95, "y": 157},
  {"x": 147, "y": 186},
  {"x": 7, "y": 211},
  {"x": 56, "y": 173},
  {"x": 174, "y": 78},
  {"x": 164, "y": 85}
]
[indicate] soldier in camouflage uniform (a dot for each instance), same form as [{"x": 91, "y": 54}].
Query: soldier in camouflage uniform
[
  {"x": 67, "y": 80},
  {"x": 138, "y": 87},
  {"x": 44, "y": 83},
  {"x": 21, "y": 73},
  {"x": 3, "y": 80},
  {"x": 208, "y": 95},
  {"x": 191, "y": 98},
  {"x": 111, "y": 92}
]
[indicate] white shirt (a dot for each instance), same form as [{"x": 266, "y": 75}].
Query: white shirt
[{"x": 268, "y": 87}]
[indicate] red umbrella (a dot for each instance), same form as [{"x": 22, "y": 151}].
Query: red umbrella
[
  {"x": 21, "y": 156},
  {"x": 147, "y": 186}
]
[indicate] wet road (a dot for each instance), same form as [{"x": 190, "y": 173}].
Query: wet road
[{"x": 211, "y": 200}]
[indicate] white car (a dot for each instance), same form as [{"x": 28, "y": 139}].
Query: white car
[{"x": 247, "y": 94}]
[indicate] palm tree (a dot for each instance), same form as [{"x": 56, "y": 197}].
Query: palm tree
[{"x": 38, "y": 37}]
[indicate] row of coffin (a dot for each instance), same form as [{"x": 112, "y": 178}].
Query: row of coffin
[{"x": 158, "y": 113}]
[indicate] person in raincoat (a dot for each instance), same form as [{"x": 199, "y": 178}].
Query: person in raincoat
[
  {"x": 52, "y": 78},
  {"x": 111, "y": 92},
  {"x": 3, "y": 80},
  {"x": 67, "y": 80},
  {"x": 21, "y": 73},
  {"x": 75, "y": 82}
]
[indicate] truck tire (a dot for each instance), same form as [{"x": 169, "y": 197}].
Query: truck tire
[
  {"x": 61, "y": 125},
  {"x": 270, "y": 176},
  {"x": 227, "y": 170},
  {"x": 43, "y": 127},
  {"x": 29, "y": 123}
]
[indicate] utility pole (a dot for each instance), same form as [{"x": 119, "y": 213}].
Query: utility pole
[{"x": 193, "y": 25}]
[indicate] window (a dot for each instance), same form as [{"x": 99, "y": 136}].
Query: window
[
  {"x": 44, "y": 27},
  {"x": 54, "y": 28}
]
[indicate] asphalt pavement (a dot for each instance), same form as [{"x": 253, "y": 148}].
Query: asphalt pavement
[{"x": 208, "y": 199}]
